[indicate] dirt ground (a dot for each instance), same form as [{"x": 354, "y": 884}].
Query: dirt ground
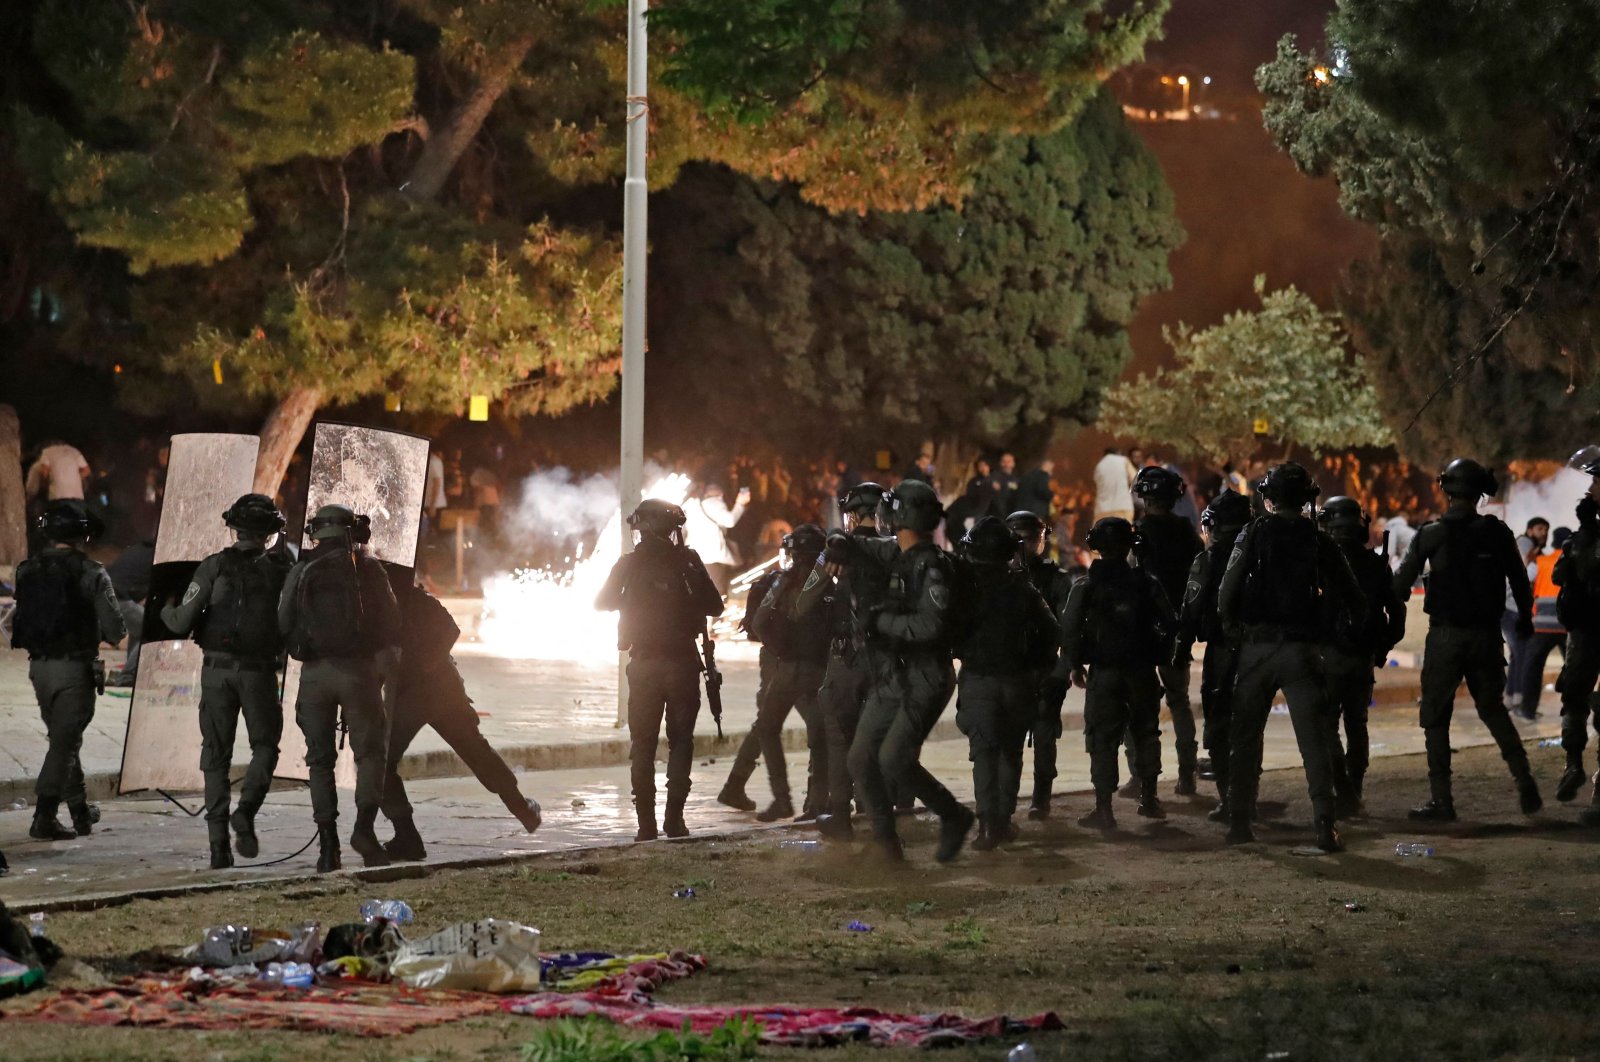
[{"x": 1156, "y": 942}]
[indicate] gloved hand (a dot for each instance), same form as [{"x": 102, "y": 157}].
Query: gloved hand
[
  {"x": 1588, "y": 513},
  {"x": 1053, "y": 690},
  {"x": 1524, "y": 627}
]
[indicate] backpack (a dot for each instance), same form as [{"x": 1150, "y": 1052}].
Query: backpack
[
  {"x": 1466, "y": 576},
  {"x": 242, "y": 615},
  {"x": 1283, "y": 586},
  {"x": 53, "y": 617},
  {"x": 329, "y": 620},
  {"x": 1121, "y": 624},
  {"x": 752, "y": 607},
  {"x": 657, "y": 602}
]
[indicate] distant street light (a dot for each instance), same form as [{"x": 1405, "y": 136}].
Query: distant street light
[{"x": 1183, "y": 80}]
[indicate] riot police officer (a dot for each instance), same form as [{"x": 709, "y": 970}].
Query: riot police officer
[
  {"x": 849, "y": 599},
  {"x": 1577, "y": 573},
  {"x": 1052, "y": 581},
  {"x": 1167, "y": 546},
  {"x": 65, "y": 608},
  {"x": 1116, "y": 633},
  {"x": 1469, "y": 558},
  {"x": 1361, "y": 643},
  {"x": 339, "y": 618},
  {"x": 231, "y": 605},
  {"x": 1007, "y": 637},
  {"x": 664, "y": 596},
  {"x": 1223, "y": 519},
  {"x": 908, "y": 654},
  {"x": 1284, "y": 581},
  {"x": 794, "y": 657}
]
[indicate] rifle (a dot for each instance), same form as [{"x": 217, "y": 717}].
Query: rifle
[{"x": 708, "y": 664}]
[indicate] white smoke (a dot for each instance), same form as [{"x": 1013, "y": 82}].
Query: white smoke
[{"x": 1554, "y": 499}]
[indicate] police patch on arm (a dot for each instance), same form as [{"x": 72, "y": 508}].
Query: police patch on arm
[{"x": 191, "y": 593}]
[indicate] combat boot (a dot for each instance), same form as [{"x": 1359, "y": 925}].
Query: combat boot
[
  {"x": 525, "y": 809},
  {"x": 45, "y": 826},
  {"x": 953, "y": 830},
  {"x": 406, "y": 845},
  {"x": 221, "y": 853},
  {"x": 1102, "y": 817},
  {"x": 647, "y": 822},
  {"x": 1434, "y": 810},
  {"x": 1039, "y": 808},
  {"x": 328, "y": 849},
  {"x": 1149, "y": 804},
  {"x": 984, "y": 841},
  {"x": 1239, "y": 831},
  {"x": 1357, "y": 778},
  {"x": 1004, "y": 830},
  {"x": 1572, "y": 779},
  {"x": 733, "y": 796},
  {"x": 1327, "y": 835},
  {"x": 780, "y": 808},
  {"x": 1130, "y": 788},
  {"x": 1186, "y": 771},
  {"x": 365, "y": 841},
  {"x": 1528, "y": 798},
  {"x": 243, "y": 822},
  {"x": 886, "y": 847},
  {"x": 672, "y": 823},
  {"x": 836, "y": 827},
  {"x": 84, "y": 817},
  {"x": 1590, "y": 816}
]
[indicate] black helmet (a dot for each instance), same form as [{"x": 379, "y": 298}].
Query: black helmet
[
  {"x": 806, "y": 540},
  {"x": 1228, "y": 509},
  {"x": 1112, "y": 534},
  {"x": 69, "y": 520},
  {"x": 1465, "y": 478},
  {"x": 1159, "y": 483},
  {"x": 254, "y": 513},
  {"x": 1289, "y": 486},
  {"x": 1344, "y": 516},
  {"x": 862, "y": 499},
  {"x": 331, "y": 521},
  {"x": 1027, "y": 523},
  {"x": 912, "y": 506},
  {"x": 1586, "y": 460},
  {"x": 657, "y": 517},
  {"x": 991, "y": 541}
]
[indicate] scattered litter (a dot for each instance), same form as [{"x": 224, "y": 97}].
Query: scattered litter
[
  {"x": 1550, "y": 743},
  {"x": 1376, "y": 746},
  {"x": 1023, "y": 1052},
  {"x": 685, "y": 893},
  {"x": 1309, "y": 851},
  {"x": 31, "y": 870},
  {"x": 1413, "y": 848},
  {"x": 1355, "y": 905},
  {"x": 1277, "y": 1056},
  {"x": 1234, "y": 968},
  {"x": 859, "y": 926},
  {"x": 579, "y": 804},
  {"x": 396, "y": 911},
  {"x": 1280, "y": 709},
  {"x": 490, "y": 955},
  {"x": 289, "y": 975},
  {"x": 804, "y": 846},
  {"x": 18, "y": 805},
  {"x": 36, "y": 924}
]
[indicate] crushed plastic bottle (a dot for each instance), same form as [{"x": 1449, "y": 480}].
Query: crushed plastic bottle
[
  {"x": 36, "y": 924},
  {"x": 1413, "y": 848},
  {"x": 19, "y": 805},
  {"x": 685, "y": 893},
  {"x": 395, "y": 911},
  {"x": 804, "y": 846},
  {"x": 1550, "y": 743},
  {"x": 1023, "y": 1052},
  {"x": 289, "y": 974},
  {"x": 859, "y": 926},
  {"x": 225, "y": 945}
]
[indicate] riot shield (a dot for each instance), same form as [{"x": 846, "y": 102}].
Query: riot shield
[
  {"x": 205, "y": 474},
  {"x": 381, "y": 474}
]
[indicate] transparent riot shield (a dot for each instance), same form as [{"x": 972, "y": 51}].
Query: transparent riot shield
[
  {"x": 205, "y": 474},
  {"x": 380, "y": 474}
]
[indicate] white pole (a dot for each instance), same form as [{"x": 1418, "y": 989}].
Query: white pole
[{"x": 635, "y": 247}]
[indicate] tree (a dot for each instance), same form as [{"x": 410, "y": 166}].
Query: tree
[
  {"x": 311, "y": 202},
  {"x": 1467, "y": 132},
  {"x": 988, "y": 325},
  {"x": 1285, "y": 363}
]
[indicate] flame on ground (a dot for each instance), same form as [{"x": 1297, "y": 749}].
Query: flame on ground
[{"x": 540, "y": 614}]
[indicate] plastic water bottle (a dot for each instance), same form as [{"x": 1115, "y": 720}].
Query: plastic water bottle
[
  {"x": 36, "y": 924},
  {"x": 1413, "y": 848},
  {"x": 298, "y": 975},
  {"x": 396, "y": 911},
  {"x": 1550, "y": 743},
  {"x": 223, "y": 945},
  {"x": 804, "y": 846},
  {"x": 1023, "y": 1052}
]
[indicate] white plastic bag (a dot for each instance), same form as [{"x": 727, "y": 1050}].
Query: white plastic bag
[{"x": 491, "y": 955}]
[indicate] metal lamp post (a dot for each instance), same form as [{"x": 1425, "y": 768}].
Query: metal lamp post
[{"x": 635, "y": 248}]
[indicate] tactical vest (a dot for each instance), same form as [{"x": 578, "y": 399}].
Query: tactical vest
[
  {"x": 1466, "y": 580},
  {"x": 242, "y": 614},
  {"x": 1121, "y": 627},
  {"x": 1168, "y": 546},
  {"x": 330, "y": 614},
  {"x": 1283, "y": 584},
  {"x": 658, "y": 614},
  {"x": 54, "y": 617},
  {"x": 1003, "y": 637}
]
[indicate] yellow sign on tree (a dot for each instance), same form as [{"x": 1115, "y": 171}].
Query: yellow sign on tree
[{"x": 1261, "y": 426}]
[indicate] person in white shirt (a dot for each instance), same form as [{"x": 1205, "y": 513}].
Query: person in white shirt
[
  {"x": 1113, "y": 486},
  {"x": 60, "y": 472},
  {"x": 433, "y": 498},
  {"x": 708, "y": 521}
]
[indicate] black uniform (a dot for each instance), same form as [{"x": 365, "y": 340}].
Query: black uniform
[
  {"x": 1053, "y": 582},
  {"x": 1359, "y": 645},
  {"x": 1470, "y": 558},
  {"x": 65, "y": 609},
  {"x": 794, "y": 658},
  {"x": 1219, "y": 668},
  {"x": 1577, "y": 573},
  {"x": 848, "y": 602},
  {"x": 1008, "y": 638},
  {"x": 231, "y": 605},
  {"x": 664, "y": 595},
  {"x": 1284, "y": 583},
  {"x": 1168, "y": 545},
  {"x": 1118, "y": 625}
]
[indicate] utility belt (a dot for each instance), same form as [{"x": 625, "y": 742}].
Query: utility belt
[
  {"x": 86, "y": 656},
  {"x": 1263, "y": 633},
  {"x": 240, "y": 664}
]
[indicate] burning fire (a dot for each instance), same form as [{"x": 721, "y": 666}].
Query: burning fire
[{"x": 542, "y": 614}]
